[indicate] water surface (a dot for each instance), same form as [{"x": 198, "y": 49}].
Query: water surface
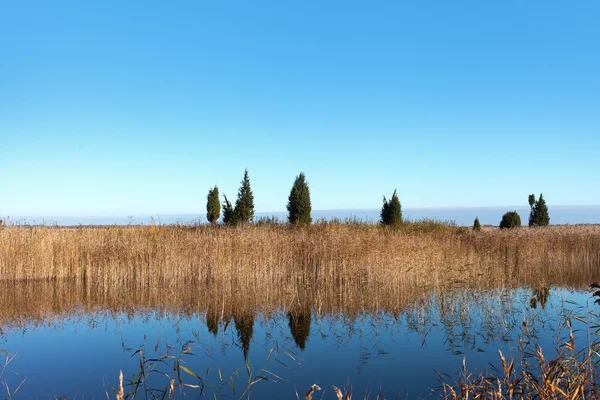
[
  {"x": 462, "y": 216},
  {"x": 73, "y": 342}
]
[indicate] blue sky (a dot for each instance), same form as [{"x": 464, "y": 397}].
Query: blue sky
[{"x": 139, "y": 107}]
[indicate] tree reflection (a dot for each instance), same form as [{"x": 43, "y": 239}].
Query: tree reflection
[
  {"x": 244, "y": 326},
  {"x": 212, "y": 322},
  {"x": 299, "y": 322}
]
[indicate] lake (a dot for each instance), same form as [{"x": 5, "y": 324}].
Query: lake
[
  {"x": 460, "y": 215},
  {"x": 72, "y": 340}
]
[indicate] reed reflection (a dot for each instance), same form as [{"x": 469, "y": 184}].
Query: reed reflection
[{"x": 466, "y": 318}]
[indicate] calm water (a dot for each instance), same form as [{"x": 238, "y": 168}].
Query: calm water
[
  {"x": 75, "y": 349},
  {"x": 461, "y": 216}
]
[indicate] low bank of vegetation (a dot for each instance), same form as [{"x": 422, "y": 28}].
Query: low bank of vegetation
[{"x": 422, "y": 253}]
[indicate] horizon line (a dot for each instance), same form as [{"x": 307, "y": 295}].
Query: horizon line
[{"x": 284, "y": 211}]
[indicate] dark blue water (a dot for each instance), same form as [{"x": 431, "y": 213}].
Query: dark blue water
[{"x": 78, "y": 354}]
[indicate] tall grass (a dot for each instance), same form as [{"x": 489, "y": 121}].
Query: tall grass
[
  {"x": 229, "y": 273},
  {"x": 571, "y": 373},
  {"x": 332, "y": 267},
  {"x": 268, "y": 256}
]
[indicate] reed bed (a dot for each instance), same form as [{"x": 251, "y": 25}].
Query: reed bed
[
  {"x": 327, "y": 269},
  {"x": 330, "y": 267},
  {"x": 571, "y": 373},
  {"x": 268, "y": 256}
]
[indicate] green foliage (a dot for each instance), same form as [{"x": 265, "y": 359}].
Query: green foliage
[
  {"x": 299, "y": 206},
  {"x": 213, "y": 205},
  {"x": 244, "y": 205},
  {"x": 243, "y": 212},
  {"x": 391, "y": 212},
  {"x": 476, "y": 225},
  {"x": 266, "y": 220},
  {"x": 427, "y": 226},
  {"x": 539, "y": 212},
  {"x": 531, "y": 200},
  {"x": 229, "y": 217},
  {"x": 510, "y": 220}
]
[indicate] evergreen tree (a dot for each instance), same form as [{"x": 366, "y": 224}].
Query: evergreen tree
[
  {"x": 213, "y": 205},
  {"x": 510, "y": 220},
  {"x": 299, "y": 206},
  {"x": 229, "y": 217},
  {"x": 476, "y": 225},
  {"x": 244, "y": 205},
  {"x": 539, "y": 215},
  {"x": 391, "y": 212},
  {"x": 531, "y": 201}
]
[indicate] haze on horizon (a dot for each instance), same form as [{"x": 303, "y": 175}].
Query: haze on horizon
[{"x": 139, "y": 108}]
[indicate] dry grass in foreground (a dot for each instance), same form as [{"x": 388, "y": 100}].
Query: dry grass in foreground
[{"x": 269, "y": 256}]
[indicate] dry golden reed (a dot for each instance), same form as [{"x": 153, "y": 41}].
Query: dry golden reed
[
  {"x": 264, "y": 256},
  {"x": 46, "y": 271}
]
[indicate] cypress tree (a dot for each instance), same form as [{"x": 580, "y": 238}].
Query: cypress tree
[
  {"x": 213, "y": 205},
  {"x": 299, "y": 206},
  {"x": 510, "y": 220},
  {"x": 531, "y": 200},
  {"x": 391, "y": 212},
  {"x": 229, "y": 217},
  {"x": 476, "y": 225},
  {"x": 539, "y": 216},
  {"x": 244, "y": 205}
]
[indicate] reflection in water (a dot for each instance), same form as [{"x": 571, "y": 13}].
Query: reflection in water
[
  {"x": 299, "y": 323},
  {"x": 244, "y": 326},
  {"x": 539, "y": 295},
  {"x": 340, "y": 334},
  {"x": 212, "y": 322}
]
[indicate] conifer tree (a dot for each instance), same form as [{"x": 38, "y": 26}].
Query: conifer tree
[
  {"x": 299, "y": 206},
  {"x": 476, "y": 225},
  {"x": 531, "y": 201},
  {"x": 244, "y": 205},
  {"x": 229, "y": 217},
  {"x": 213, "y": 205},
  {"x": 391, "y": 212},
  {"x": 510, "y": 220},
  {"x": 540, "y": 215}
]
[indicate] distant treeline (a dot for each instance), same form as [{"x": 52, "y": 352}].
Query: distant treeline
[
  {"x": 299, "y": 205},
  {"x": 299, "y": 208}
]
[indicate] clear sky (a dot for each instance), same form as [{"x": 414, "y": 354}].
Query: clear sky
[{"x": 139, "y": 107}]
